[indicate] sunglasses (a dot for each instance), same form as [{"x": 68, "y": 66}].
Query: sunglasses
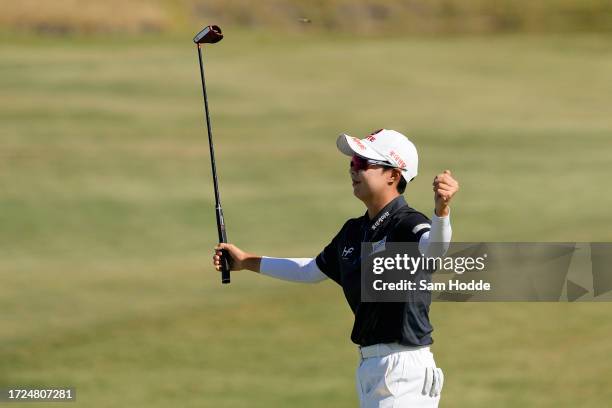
[{"x": 361, "y": 163}]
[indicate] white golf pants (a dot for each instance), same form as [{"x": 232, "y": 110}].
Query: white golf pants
[{"x": 395, "y": 376}]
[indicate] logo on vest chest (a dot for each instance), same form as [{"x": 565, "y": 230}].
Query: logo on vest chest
[
  {"x": 346, "y": 252},
  {"x": 379, "y": 245}
]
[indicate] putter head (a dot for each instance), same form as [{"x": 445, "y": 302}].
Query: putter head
[{"x": 209, "y": 35}]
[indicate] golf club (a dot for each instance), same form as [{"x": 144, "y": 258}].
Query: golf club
[{"x": 210, "y": 35}]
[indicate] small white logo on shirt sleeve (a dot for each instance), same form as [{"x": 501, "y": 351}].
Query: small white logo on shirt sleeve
[{"x": 420, "y": 227}]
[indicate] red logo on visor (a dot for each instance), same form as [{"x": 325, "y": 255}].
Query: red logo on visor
[
  {"x": 401, "y": 163},
  {"x": 358, "y": 143},
  {"x": 371, "y": 137}
]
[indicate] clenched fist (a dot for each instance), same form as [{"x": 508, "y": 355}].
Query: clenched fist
[
  {"x": 239, "y": 259},
  {"x": 444, "y": 187}
]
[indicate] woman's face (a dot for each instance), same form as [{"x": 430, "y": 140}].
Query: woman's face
[{"x": 370, "y": 181}]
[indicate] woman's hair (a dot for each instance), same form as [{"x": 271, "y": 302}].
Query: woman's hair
[{"x": 401, "y": 186}]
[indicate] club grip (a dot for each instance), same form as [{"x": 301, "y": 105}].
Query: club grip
[
  {"x": 225, "y": 255},
  {"x": 225, "y": 266}
]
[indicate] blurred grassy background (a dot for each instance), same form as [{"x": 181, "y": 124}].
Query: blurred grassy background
[
  {"x": 107, "y": 223},
  {"x": 354, "y": 16}
]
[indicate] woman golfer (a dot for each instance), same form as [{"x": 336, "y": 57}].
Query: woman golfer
[{"x": 397, "y": 368}]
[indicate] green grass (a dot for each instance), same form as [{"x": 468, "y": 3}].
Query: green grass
[
  {"x": 107, "y": 223},
  {"x": 374, "y": 17}
]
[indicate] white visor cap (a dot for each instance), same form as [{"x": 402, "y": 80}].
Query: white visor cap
[{"x": 384, "y": 145}]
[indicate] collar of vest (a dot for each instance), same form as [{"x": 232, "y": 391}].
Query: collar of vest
[{"x": 384, "y": 214}]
